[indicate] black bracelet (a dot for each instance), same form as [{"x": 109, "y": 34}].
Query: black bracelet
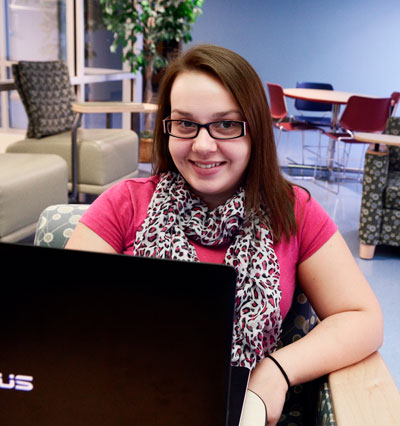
[{"x": 280, "y": 368}]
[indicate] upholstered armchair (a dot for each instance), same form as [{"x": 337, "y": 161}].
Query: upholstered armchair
[
  {"x": 96, "y": 158},
  {"x": 380, "y": 204},
  {"x": 360, "y": 395}
]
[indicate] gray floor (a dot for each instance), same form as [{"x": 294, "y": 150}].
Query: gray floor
[{"x": 383, "y": 272}]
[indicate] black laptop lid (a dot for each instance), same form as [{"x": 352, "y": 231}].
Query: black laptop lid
[{"x": 96, "y": 339}]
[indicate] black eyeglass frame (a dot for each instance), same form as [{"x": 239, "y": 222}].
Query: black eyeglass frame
[{"x": 243, "y": 124}]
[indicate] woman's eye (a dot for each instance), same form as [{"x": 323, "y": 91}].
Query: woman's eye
[
  {"x": 186, "y": 124},
  {"x": 226, "y": 124}
]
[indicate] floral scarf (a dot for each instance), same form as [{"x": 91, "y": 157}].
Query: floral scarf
[{"x": 176, "y": 216}]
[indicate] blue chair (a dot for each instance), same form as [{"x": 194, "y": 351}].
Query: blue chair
[{"x": 304, "y": 105}]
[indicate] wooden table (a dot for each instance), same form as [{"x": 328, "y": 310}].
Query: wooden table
[
  {"x": 95, "y": 108},
  {"x": 111, "y": 107},
  {"x": 365, "y": 394},
  {"x": 377, "y": 139},
  {"x": 334, "y": 97}
]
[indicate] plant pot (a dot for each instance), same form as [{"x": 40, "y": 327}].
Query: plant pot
[{"x": 146, "y": 150}]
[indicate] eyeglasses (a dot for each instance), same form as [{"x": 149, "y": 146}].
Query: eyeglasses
[{"x": 223, "y": 130}]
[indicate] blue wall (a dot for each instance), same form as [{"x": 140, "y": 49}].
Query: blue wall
[{"x": 353, "y": 44}]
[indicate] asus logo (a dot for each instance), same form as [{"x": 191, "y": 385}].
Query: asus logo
[{"x": 19, "y": 382}]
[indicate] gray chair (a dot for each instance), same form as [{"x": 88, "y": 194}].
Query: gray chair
[
  {"x": 28, "y": 184},
  {"x": 96, "y": 158},
  {"x": 380, "y": 202}
]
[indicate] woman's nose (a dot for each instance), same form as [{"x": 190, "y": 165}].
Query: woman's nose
[{"x": 203, "y": 142}]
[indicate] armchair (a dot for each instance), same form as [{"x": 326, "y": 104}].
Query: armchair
[
  {"x": 362, "y": 394},
  {"x": 96, "y": 158},
  {"x": 380, "y": 203}
]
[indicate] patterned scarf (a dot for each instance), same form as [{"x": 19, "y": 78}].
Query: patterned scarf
[{"x": 176, "y": 215}]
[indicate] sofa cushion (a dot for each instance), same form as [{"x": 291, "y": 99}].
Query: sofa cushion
[
  {"x": 394, "y": 159},
  {"x": 46, "y": 92},
  {"x": 392, "y": 193},
  {"x": 105, "y": 155},
  {"x": 28, "y": 184}
]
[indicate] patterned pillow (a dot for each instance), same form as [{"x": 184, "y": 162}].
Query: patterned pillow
[
  {"x": 393, "y": 128},
  {"x": 45, "y": 91}
]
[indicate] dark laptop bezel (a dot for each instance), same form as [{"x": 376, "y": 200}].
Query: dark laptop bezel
[{"x": 46, "y": 267}]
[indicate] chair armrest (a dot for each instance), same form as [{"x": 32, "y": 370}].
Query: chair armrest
[
  {"x": 110, "y": 107},
  {"x": 365, "y": 394},
  {"x": 374, "y": 184}
]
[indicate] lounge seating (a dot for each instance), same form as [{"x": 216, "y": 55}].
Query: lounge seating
[
  {"x": 380, "y": 203},
  {"x": 102, "y": 156},
  {"x": 28, "y": 184}
]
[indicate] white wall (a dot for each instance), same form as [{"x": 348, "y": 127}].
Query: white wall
[{"x": 352, "y": 44}]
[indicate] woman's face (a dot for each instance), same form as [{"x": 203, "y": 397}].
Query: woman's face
[{"x": 213, "y": 168}]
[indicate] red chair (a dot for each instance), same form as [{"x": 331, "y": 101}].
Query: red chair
[
  {"x": 280, "y": 118},
  {"x": 395, "y": 96},
  {"x": 362, "y": 114}
]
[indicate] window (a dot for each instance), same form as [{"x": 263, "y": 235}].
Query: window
[{"x": 68, "y": 30}]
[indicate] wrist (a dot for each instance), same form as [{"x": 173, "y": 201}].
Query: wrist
[
  {"x": 269, "y": 384},
  {"x": 267, "y": 373},
  {"x": 281, "y": 369}
]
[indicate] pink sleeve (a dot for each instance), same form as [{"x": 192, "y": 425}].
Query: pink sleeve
[
  {"x": 315, "y": 225},
  {"x": 314, "y": 228},
  {"x": 117, "y": 213}
]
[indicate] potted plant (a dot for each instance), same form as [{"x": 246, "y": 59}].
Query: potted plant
[
  {"x": 146, "y": 146},
  {"x": 162, "y": 24}
]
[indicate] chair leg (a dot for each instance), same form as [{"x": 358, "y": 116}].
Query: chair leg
[
  {"x": 277, "y": 139},
  {"x": 366, "y": 251}
]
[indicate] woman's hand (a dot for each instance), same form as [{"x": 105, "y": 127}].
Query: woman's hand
[{"x": 269, "y": 384}]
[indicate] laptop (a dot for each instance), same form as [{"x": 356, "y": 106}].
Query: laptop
[{"x": 99, "y": 339}]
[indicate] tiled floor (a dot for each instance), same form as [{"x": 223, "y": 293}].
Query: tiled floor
[{"x": 383, "y": 272}]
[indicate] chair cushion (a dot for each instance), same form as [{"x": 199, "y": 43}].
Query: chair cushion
[
  {"x": 46, "y": 92},
  {"x": 394, "y": 159},
  {"x": 28, "y": 184},
  {"x": 105, "y": 155},
  {"x": 56, "y": 224},
  {"x": 392, "y": 193},
  {"x": 301, "y": 400},
  {"x": 390, "y": 232}
]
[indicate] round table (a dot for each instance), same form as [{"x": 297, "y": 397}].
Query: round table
[{"x": 334, "y": 97}]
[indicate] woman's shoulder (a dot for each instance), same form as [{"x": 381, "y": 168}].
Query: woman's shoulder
[
  {"x": 306, "y": 205},
  {"x": 141, "y": 183},
  {"x": 314, "y": 224},
  {"x": 132, "y": 189},
  {"x": 117, "y": 212},
  {"x": 125, "y": 199},
  {"x": 302, "y": 196}
]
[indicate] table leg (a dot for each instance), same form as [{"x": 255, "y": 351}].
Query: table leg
[
  {"x": 332, "y": 144},
  {"x": 74, "y": 158}
]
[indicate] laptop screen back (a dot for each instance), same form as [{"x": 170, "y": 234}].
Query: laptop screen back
[{"x": 95, "y": 339}]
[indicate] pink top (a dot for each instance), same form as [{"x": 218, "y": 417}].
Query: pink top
[{"x": 116, "y": 215}]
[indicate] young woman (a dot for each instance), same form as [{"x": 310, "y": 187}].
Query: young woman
[{"x": 217, "y": 195}]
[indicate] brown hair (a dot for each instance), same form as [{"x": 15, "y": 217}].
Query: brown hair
[{"x": 267, "y": 192}]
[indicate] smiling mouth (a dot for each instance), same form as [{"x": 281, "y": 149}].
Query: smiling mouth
[{"x": 207, "y": 166}]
